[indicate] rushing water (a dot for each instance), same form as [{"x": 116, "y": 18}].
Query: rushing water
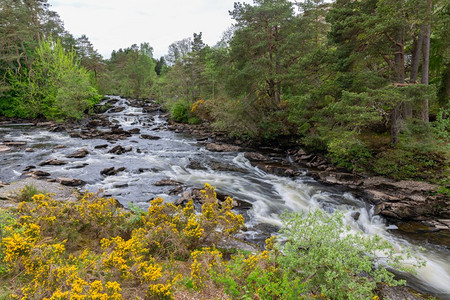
[{"x": 169, "y": 157}]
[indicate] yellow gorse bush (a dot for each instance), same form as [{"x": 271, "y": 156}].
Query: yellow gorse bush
[{"x": 92, "y": 249}]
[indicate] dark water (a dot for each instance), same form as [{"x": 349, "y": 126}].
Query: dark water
[{"x": 169, "y": 157}]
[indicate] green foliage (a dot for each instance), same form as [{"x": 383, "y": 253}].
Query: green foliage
[
  {"x": 56, "y": 87},
  {"x": 334, "y": 261},
  {"x": 131, "y": 72},
  {"x": 26, "y": 194},
  {"x": 348, "y": 151},
  {"x": 179, "y": 111}
]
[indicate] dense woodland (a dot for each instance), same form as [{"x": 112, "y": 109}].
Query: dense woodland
[{"x": 366, "y": 83}]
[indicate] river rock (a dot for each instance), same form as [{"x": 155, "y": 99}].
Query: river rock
[
  {"x": 52, "y": 162},
  {"x": 70, "y": 181},
  {"x": 195, "y": 165},
  {"x": 14, "y": 143},
  {"x": 37, "y": 174},
  {"x": 59, "y": 147},
  {"x": 224, "y": 167},
  {"x": 111, "y": 171},
  {"x": 134, "y": 131},
  {"x": 29, "y": 150},
  {"x": 176, "y": 191},
  {"x": 117, "y": 109},
  {"x": 120, "y": 150},
  {"x": 4, "y": 148},
  {"x": 28, "y": 168},
  {"x": 78, "y": 154},
  {"x": 102, "y": 146},
  {"x": 80, "y": 166},
  {"x": 279, "y": 169},
  {"x": 222, "y": 147},
  {"x": 149, "y": 137},
  {"x": 165, "y": 182},
  {"x": 255, "y": 156}
]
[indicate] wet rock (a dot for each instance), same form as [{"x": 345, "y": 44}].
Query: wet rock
[
  {"x": 4, "y": 148},
  {"x": 28, "y": 168},
  {"x": 224, "y": 167},
  {"x": 222, "y": 147},
  {"x": 29, "y": 150},
  {"x": 120, "y": 150},
  {"x": 279, "y": 170},
  {"x": 356, "y": 215},
  {"x": 80, "y": 166},
  {"x": 134, "y": 131},
  {"x": 14, "y": 143},
  {"x": 70, "y": 181},
  {"x": 59, "y": 147},
  {"x": 150, "y": 109},
  {"x": 117, "y": 109},
  {"x": 79, "y": 154},
  {"x": 255, "y": 156},
  {"x": 195, "y": 165},
  {"x": 166, "y": 182},
  {"x": 120, "y": 185},
  {"x": 37, "y": 174},
  {"x": 111, "y": 171},
  {"x": 266, "y": 228},
  {"x": 202, "y": 138},
  {"x": 57, "y": 128},
  {"x": 53, "y": 162},
  {"x": 102, "y": 146},
  {"x": 149, "y": 137},
  {"x": 176, "y": 191}
]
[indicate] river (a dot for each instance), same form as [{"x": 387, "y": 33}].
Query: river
[{"x": 168, "y": 157}]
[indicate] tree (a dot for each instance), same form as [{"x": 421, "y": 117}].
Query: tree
[
  {"x": 56, "y": 87},
  {"x": 132, "y": 71}
]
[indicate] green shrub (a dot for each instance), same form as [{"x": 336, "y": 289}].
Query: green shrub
[
  {"x": 26, "y": 194},
  {"x": 180, "y": 111},
  {"x": 333, "y": 261},
  {"x": 348, "y": 151}
]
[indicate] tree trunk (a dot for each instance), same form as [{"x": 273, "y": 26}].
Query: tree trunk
[
  {"x": 399, "y": 77},
  {"x": 416, "y": 55},
  {"x": 426, "y": 60}
]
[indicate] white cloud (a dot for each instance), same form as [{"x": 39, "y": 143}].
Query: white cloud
[{"x": 115, "y": 24}]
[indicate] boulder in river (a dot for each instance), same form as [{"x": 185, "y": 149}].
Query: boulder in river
[
  {"x": 37, "y": 174},
  {"x": 111, "y": 171},
  {"x": 195, "y": 165},
  {"x": 102, "y": 146},
  {"x": 165, "y": 182},
  {"x": 149, "y": 137},
  {"x": 78, "y": 154},
  {"x": 255, "y": 156},
  {"x": 4, "y": 148},
  {"x": 53, "y": 162},
  {"x": 119, "y": 150},
  {"x": 134, "y": 131},
  {"x": 224, "y": 167},
  {"x": 70, "y": 181},
  {"x": 14, "y": 143},
  {"x": 222, "y": 147}
]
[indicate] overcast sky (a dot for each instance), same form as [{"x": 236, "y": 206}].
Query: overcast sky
[{"x": 114, "y": 24}]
